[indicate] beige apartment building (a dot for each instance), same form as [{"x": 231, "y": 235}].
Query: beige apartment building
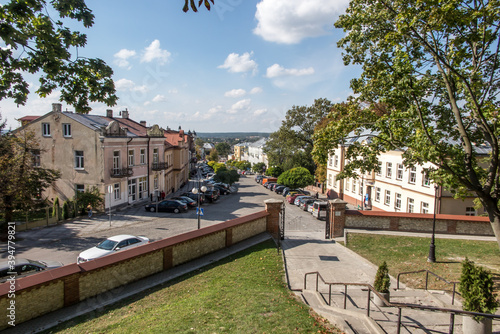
[
  {"x": 126, "y": 160},
  {"x": 394, "y": 188}
]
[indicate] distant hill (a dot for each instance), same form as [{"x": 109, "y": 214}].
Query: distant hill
[{"x": 231, "y": 134}]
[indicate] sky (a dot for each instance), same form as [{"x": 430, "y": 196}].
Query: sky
[{"x": 237, "y": 68}]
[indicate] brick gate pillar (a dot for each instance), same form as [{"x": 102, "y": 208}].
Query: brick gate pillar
[
  {"x": 273, "y": 207},
  {"x": 337, "y": 217}
]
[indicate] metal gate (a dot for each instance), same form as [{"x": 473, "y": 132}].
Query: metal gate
[{"x": 282, "y": 222}]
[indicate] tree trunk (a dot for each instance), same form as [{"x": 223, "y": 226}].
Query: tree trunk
[{"x": 494, "y": 215}]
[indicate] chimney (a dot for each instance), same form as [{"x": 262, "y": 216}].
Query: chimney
[
  {"x": 56, "y": 107},
  {"x": 125, "y": 114},
  {"x": 109, "y": 113},
  {"x": 143, "y": 123}
]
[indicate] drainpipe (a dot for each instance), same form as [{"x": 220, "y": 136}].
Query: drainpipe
[
  {"x": 126, "y": 161},
  {"x": 147, "y": 162}
]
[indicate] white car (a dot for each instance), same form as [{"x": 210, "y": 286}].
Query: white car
[{"x": 111, "y": 245}]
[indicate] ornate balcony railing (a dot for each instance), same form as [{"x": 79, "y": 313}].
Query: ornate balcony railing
[
  {"x": 121, "y": 172},
  {"x": 160, "y": 165}
]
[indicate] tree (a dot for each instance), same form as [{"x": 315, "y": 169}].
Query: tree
[
  {"x": 274, "y": 171},
  {"x": 296, "y": 178},
  {"x": 292, "y": 144},
  {"x": 224, "y": 149},
  {"x": 34, "y": 42},
  {"x": 22, "y": 180},
  {"x": 214, "y": 155},
  {"x": 193, "y": 5},
  {"x": 243, "y": 165},
  {"x": 429, "y": 87},
  {"x": 90, "y": 195},
  {"x": 227, "y": 176},
  {"x": 259, "y": 167}
]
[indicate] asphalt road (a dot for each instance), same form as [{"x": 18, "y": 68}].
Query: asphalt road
[{"x": 64, "y": 242}]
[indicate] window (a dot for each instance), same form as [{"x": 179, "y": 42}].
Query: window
[
  {"x": 399, "y": 172},
  {"x": 336, "y": 160},
  {"x": 470, "y": 211},
  {"x": 131, "y": 157},
  {"x": 80, "y": 188},
  {"x": 79, "y": 160},
  {"x": 379, "y": 168},
  {"x": 155, "y": 182},
  {"x": 377, "y": 194},
  {"x": 354, "y": 185},
  {"x": 116, "y": 191},
  {"x": 35, "y": 155},
  {"x": 387, "y": 197},
  {"x": 413, "y": 175},
  {"x": 46, "y": 129},
  {"x": 116, "y": 162},
  {"x": 330, "y": 180},
  {"x": 346, "y": 184},
  {"x": 411, "y": 205},
  {"x": 426, "y": 181},
  {"x": 360, "y": 192},
  {"x": 397, "y": 204},
  {"x": 143, "y": 187},
  {"x": 155, "y": 155},
  {"x": 425, "y": 207},
  {"x": 330, "y": 161},
  {"x": 335, "y": 181},
  {"x": 388, "y": 170},
  {"x": 143, "y": 156},
  {"x": 66, "y": 130}
]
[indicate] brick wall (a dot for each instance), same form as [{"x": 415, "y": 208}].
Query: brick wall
[{"x": 44, "y": 292}]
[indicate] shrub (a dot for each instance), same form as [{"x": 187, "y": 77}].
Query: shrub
[
  {"x": 65, "y": 210},
  {"x": 476, "y": 287},
  {"x": 382, "y": 279},
  {"x": 55, "y": 207}
]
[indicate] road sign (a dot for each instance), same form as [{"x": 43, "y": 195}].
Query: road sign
[{"x": 199, "y": 212}]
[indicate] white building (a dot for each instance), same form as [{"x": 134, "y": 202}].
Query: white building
[{"x": 256, "y": 152}]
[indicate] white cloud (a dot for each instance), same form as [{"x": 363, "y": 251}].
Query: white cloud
[
  {"x": 122, "y": 56},
  {"x": 235, "y": 63},
  {"x": 173, "y": 91},
  {"x": 235, "y": 93},
  {"x": 159, "y": 98},
  {"x": 126, "y": 84},
  {"x": 256, "y": 90},
  {"x": 154, "y": 52},
  {"x": 259, "y": 112},
  {"x": 291, "y": 21},
  {"x": 205, "y": 116},
  {"x": 241, "y": 105},
  {"x": 279, "y": 71}
]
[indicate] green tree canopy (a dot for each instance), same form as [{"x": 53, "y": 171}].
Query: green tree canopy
[
  {"x": 22, "y": 179},
  {"x": 429, "y": 86},
  {"x": 227, "y": 176},
  {"x": 34, "y": 42},
  {"x": 292, "y": 144},
  {"x": 223, "y": 149},
  {"x": 274, "y": 171},
  {"x": 258, "y": 167},
  {"x": 298, "y": 177}
]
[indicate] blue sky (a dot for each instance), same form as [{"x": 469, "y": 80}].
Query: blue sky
[{"x": 239, "y": 67}]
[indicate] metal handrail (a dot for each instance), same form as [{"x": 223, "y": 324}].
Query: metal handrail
[
  {"x": 427, "y": 272},
  {"x": 400, "y": 306}
]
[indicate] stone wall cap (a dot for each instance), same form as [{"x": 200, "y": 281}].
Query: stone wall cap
[
  {"x": 273, "y": 201},
  {"x": 338, "y": 201}
]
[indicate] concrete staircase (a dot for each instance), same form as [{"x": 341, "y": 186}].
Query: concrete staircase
[{"x": 354, "y": 318}]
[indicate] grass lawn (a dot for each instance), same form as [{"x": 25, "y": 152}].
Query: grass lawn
[
  {"x": 404, "y": 254},
  {"x": 244, "y": 293}
]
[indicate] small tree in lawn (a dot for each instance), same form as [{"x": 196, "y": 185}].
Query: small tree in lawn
[
  {"x": 65, "y": 210},
  {"x": 382, "y": 281},
  {"x": 296, "y": 178}
]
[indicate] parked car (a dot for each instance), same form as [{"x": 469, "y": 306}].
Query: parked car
[
  {"x": 258, "y": 178},
  {"x": 305, "y": 203},
  {"x": 110, "y": 245},
  {"x": 290, "y": 199},
  {"x": 222, "y": 190},
  {"x": 191, "y": 203},
  {"x": 167, "y": 205},
  {"x": 211, "y": 195},
  {"x": 195, "y": 197},
  {"x": 319, "y": 209},
  {"x": 25, "y": 267},
  {"x": 279, "y": 189},
  {"x": 299, "y": 198}
]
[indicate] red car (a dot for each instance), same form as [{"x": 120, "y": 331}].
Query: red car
[{"x": 291, "y": 199}]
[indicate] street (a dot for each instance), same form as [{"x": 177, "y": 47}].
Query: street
[{"x": 65, "y": 241}]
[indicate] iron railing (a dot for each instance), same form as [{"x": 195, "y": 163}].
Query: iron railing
[
  {"x": 427, "y": 272},
  {"x": 122, "y": 172},
  {"x": 399, "y": 306},
  {"x": 160, "y": 165}
]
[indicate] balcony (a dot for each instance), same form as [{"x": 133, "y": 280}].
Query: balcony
[
  {"x": 121, "y": 172},
  {"x": 159, "y": 165}
]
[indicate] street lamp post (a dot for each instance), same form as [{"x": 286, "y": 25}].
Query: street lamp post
[
  {"x": 197, "y": 191},
  {"x": 432, "y": 248}
]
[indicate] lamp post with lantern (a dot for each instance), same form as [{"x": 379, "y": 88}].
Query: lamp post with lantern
[
  {"x": 432, "y": 248},
  {"x": 198, "y": 191}
]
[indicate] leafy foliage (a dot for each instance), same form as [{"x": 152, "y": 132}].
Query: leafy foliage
[
  {"x": 294, "y": 178},
  {"x": 382, "y": 281},
  {"x": 429, "y": 87},
  {"x": 223, "y": 149},
  {"x": 476, "y": 287},
  {"x": 258, "y": 167},
  {"x": 34, "y": 42},
  {"x": 90, "y": 195},
  {"x": 214, "y": 155},
  {"x": 65, "y": 210},
  {"x": 193, "y": 4},
  {"x": 274, "y": 171},
  {"x": 22, "y": 182},
  {"x": 292, "y": 144},
  {"x": 55, "y": 207},
  {"x": 227, "y": 176}
]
